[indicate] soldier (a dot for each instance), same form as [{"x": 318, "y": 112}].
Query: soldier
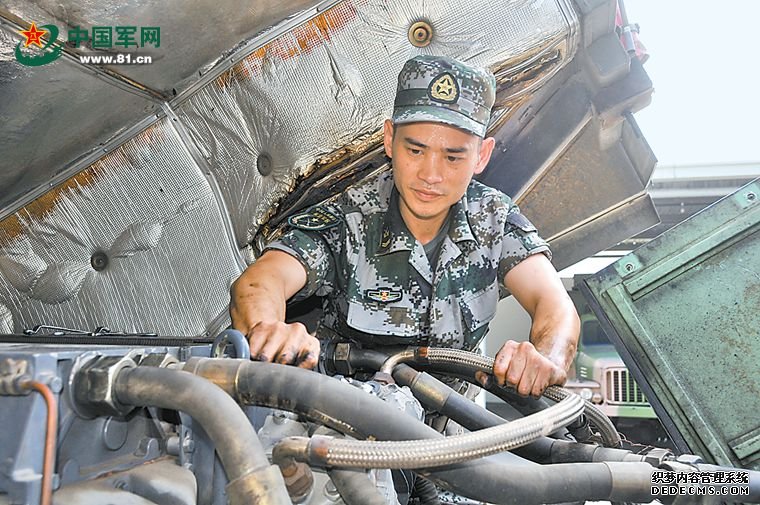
[{"x": 419, "y": 255}]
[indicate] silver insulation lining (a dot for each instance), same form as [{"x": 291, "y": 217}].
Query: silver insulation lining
[
  {"x": 149, "y": 209},
  {"x": 332, "y": 80},
  {"x": 52, "y": 115},
  {"x": 261, "y": 126}
]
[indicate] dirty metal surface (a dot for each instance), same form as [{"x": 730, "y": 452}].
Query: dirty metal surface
[
  {"x": 683, "y": 311},
  {"x": 341, "y": 68}
]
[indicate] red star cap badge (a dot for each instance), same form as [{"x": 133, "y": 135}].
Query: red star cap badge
[{"x": 33, "y": 35}]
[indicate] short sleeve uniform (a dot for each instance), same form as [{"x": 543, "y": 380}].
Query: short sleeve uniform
[{"x": 378, "y": 284}]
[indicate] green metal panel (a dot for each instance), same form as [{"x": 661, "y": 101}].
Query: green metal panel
[{"x": 684, "y": 313}]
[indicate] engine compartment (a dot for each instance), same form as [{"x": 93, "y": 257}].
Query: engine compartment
[{"x": 171, "y": 425}]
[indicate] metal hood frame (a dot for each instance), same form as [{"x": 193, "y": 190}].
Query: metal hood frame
[{"x": 683, "y": 313}]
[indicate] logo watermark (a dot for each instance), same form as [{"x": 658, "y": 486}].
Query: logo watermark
[
  {"x": 115, "y": 59},
  {"x": 98, "y": 37},
  {"x": 720, "y": 483},
  {"x": 50, "y": 52}
]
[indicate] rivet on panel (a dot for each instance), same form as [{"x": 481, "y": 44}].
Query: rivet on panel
[
  {"x": 751, "y": 196},
  {"x": 99, "y": 260},
  {"x": 629, "y": 267},
  {"x": 55, "y": 384},
  {"x": 264, "y": 164},
  {"x": 420, "y": 34}
]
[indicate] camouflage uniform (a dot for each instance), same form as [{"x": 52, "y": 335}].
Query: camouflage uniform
[
  {"x": 378, "y": 284},
  {"x": 372, "y": 270}
]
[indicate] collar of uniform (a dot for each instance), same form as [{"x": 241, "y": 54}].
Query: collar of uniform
[
  {"x": 459, "y": 227},
  {"x": 394, "y": 235}
]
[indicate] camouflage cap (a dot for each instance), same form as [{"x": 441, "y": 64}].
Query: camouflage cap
[{"x": 444, "y": 90}]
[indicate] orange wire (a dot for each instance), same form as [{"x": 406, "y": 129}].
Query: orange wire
[{"x": 46, "y": 497}]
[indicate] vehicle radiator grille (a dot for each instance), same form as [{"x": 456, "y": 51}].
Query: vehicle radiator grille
[{"x": 622, "y": 389}]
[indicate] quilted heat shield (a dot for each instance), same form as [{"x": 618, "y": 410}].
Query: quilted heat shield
[
  {"x": 135, "y": 242},
  {"x": 147, "y": 236},
  {"x": 273, "y": 117}
]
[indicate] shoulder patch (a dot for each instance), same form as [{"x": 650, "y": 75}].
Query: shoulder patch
[
  {"x": 384, "y": 295},
  {"x": 314, "y": 219},
  {"x": 518, "y": 220}
]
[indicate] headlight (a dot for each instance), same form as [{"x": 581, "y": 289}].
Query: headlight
[
  {"x": 586, "y": 394},
  {"x": 597, "y": 398}
]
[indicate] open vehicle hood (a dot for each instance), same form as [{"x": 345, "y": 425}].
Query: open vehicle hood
[
  {"x": 683, "y": 312},
  {"x": 135, "y": 194}
]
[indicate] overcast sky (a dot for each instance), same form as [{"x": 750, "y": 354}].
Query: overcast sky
[{"x": 706, "y": 74}]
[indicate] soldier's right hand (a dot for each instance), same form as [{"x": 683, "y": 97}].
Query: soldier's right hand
[{"x": 284, "y": 343}]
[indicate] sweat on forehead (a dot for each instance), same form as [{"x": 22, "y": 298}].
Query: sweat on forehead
[{"x": 413, "y": 140}]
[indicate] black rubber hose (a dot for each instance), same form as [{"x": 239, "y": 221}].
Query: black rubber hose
[
  {"x": 465, "y": 412},
  {"x": 458, "y": 360},
  {"x": 350, "y": 410},
  {"x": 368, "y": 359},
  {"x": 754, "y": 481},
  {"x": 435, "y": 395},
  {"x": 425, "y": 491},
  {"x": 353, "y": 484},
  {"x": 228, "y": 427},
  {"x": 457, "y": 407},
  {"x": 354, "y": 487}
]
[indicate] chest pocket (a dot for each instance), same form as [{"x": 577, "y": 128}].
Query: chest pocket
[
  {"x": 479, "y": 309},
  {"x": 378, "y": 299},
  {"x": 391, "y": 318}
]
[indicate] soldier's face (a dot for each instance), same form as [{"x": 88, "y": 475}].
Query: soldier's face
[{"x": 432, "y": 165}]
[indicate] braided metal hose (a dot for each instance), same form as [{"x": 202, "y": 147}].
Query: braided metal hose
[
  {"x": 442, "y": 355},
  {"x": 410, "y": 454}
]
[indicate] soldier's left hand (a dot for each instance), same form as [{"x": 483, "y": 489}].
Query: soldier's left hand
[{"x": 522, "y": 366}]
